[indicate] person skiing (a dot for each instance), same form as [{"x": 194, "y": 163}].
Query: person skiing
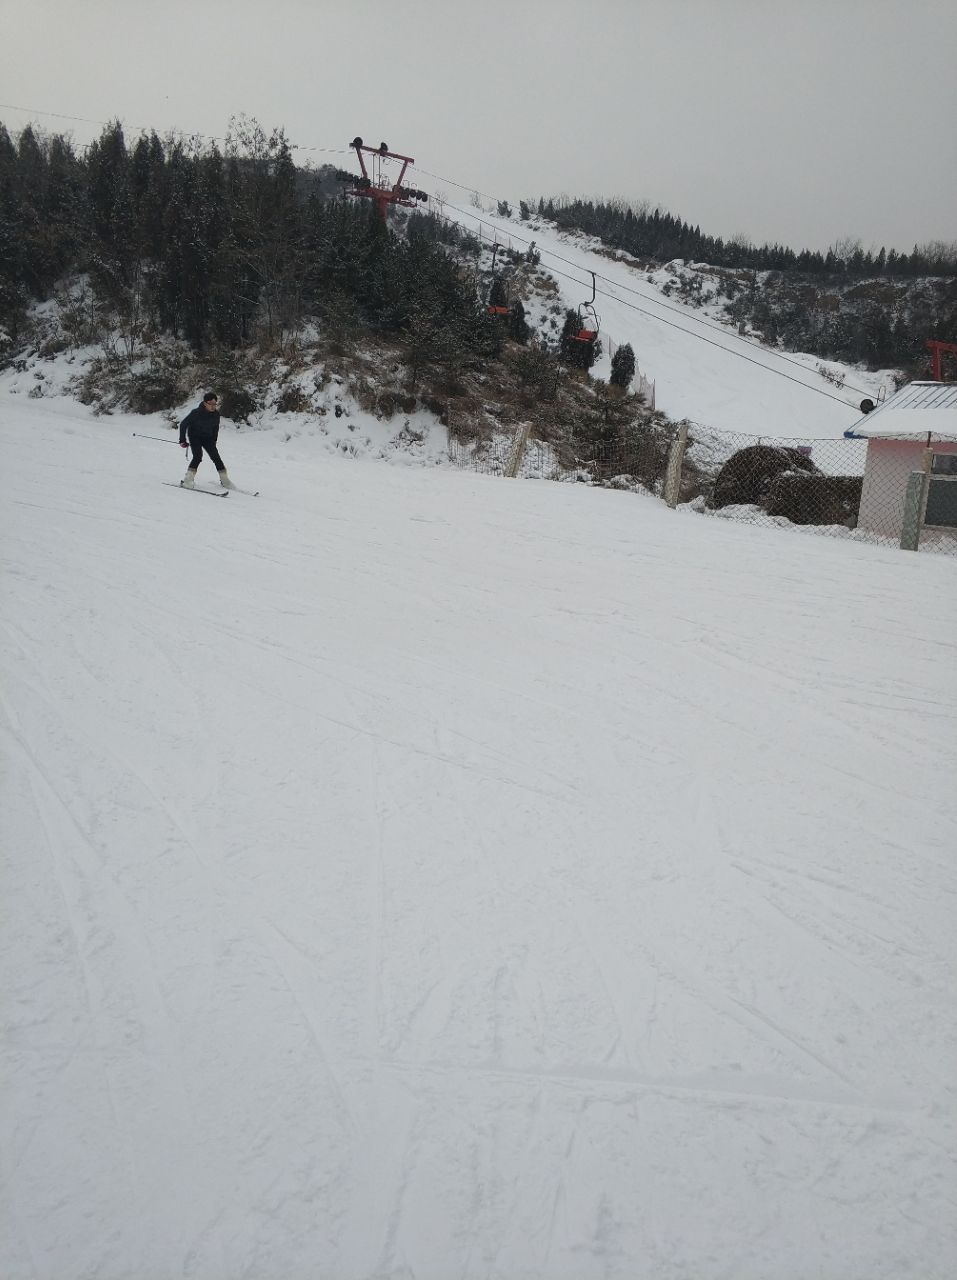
[{"x": 201, "y": 429}]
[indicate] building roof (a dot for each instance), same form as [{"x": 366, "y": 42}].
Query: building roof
[{"x": 916, "y": 412}]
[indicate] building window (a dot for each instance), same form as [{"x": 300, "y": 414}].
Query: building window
[{"x": 941, "y": 511}]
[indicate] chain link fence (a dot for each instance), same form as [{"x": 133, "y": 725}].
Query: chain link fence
[
  {"x": 900, "y": 493},
  {"x": 630, "y": 458},
  {"x": 892, "y": 492}
]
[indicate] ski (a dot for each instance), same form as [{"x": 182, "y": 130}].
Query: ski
[
  {"x": 213, "y": 493},
  {"x": 250, "y": 493}
]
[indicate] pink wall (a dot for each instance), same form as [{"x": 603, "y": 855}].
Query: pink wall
[{"x": 889, "y": 463}]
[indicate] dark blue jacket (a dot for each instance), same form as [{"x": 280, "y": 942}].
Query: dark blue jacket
[{"x": 201, "y": 422}]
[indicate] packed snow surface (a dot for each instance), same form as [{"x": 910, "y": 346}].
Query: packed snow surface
[{"x": 409, "y": 873}]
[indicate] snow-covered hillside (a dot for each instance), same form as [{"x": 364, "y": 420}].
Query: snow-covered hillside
[
  {"x": 728, "y": 386},
  {"x": 702, "y": 369},
  {"x": 409, "y": 873}
]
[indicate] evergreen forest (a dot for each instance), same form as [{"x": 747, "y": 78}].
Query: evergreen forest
[
  {"x": 220, "y": 248},
  {"x": 227, "y": 248}
]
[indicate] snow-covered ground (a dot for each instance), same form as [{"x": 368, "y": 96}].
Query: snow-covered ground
[
  {"x": 702, "y": 369},
  {"x": 409, "y": 873}
]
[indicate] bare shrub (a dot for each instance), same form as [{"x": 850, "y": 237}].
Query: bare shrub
[
  {"x": 293, "y": 400},
  {"x": 153, "y": 390},
  {"x": 815, "y": 499},
  {"x": 538, "y": 371},
  {"x": 747, "y": 476},
  {"x": 237, "y": 404}
]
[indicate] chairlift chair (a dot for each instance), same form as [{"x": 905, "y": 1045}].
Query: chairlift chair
[
  {"x": 589, "y": 322},
  {"x": 495, "y": 308}
]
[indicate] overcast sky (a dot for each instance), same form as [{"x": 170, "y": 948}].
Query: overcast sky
[{"x": 805, "y": 121}]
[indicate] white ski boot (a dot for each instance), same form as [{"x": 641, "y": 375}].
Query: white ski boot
[
  {"x": 225, "y": 481},
  {"x": 188, "y": 481}
]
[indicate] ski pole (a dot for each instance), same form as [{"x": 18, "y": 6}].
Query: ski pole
[{"x": 161, "y": 439}]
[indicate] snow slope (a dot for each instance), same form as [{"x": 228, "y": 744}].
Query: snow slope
[
  {"x": 410, "y": 873},
  {"x": 702, "y": 370}
]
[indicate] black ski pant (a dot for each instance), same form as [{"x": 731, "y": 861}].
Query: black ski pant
[{"x": 198, "y": 441}]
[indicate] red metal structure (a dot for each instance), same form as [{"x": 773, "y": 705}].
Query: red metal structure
[
  {"x": 936, "y": 351},
  {"x": 374, "y": 185}
]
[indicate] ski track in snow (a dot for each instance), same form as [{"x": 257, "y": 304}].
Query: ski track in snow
[{"x": 414, "y": 874}]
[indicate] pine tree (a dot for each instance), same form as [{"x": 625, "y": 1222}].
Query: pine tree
[
  {"x": 518, "y": 329},
  {"x": 13, "y": 265},
  {"x": 622, "y": 366}
]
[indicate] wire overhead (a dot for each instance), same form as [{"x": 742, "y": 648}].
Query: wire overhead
[
  {"x": 779, "y": 373},
  {"x": 207, "y": 137},
  {"x": 710, "y": 324}
]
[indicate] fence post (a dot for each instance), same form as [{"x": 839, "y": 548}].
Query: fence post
[
  {"x": 518, "y": 450},
  {"x": 915, "y": 499},
  {"x": 673, "y": 473}
]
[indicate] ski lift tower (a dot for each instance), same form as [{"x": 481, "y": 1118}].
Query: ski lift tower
[
  {"x": 373, "y": 184},
  {"x": 937, "y": 349}
]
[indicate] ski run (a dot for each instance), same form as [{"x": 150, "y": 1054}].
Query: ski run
[{"x": 421, "y": 874}]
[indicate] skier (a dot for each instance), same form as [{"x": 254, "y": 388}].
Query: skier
[{"x": 201, "y": 428}]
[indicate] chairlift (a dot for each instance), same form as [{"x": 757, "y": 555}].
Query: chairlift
[
  {"x": 589, "y": 322},
  {"x": 499, "y": 308}
]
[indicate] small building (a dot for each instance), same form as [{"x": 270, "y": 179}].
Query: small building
[{"x": 921, "y": 417}]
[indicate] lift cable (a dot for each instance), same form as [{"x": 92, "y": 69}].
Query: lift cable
[
  {"x": 207, "y": 137},
  {"x": 671, "y": 324},
  {"x": 666, "y": 306}
]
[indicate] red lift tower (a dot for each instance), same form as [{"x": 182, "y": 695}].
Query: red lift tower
[
  {"x": 374, "y": 185},
  {"x": 936, "y": 351}
]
